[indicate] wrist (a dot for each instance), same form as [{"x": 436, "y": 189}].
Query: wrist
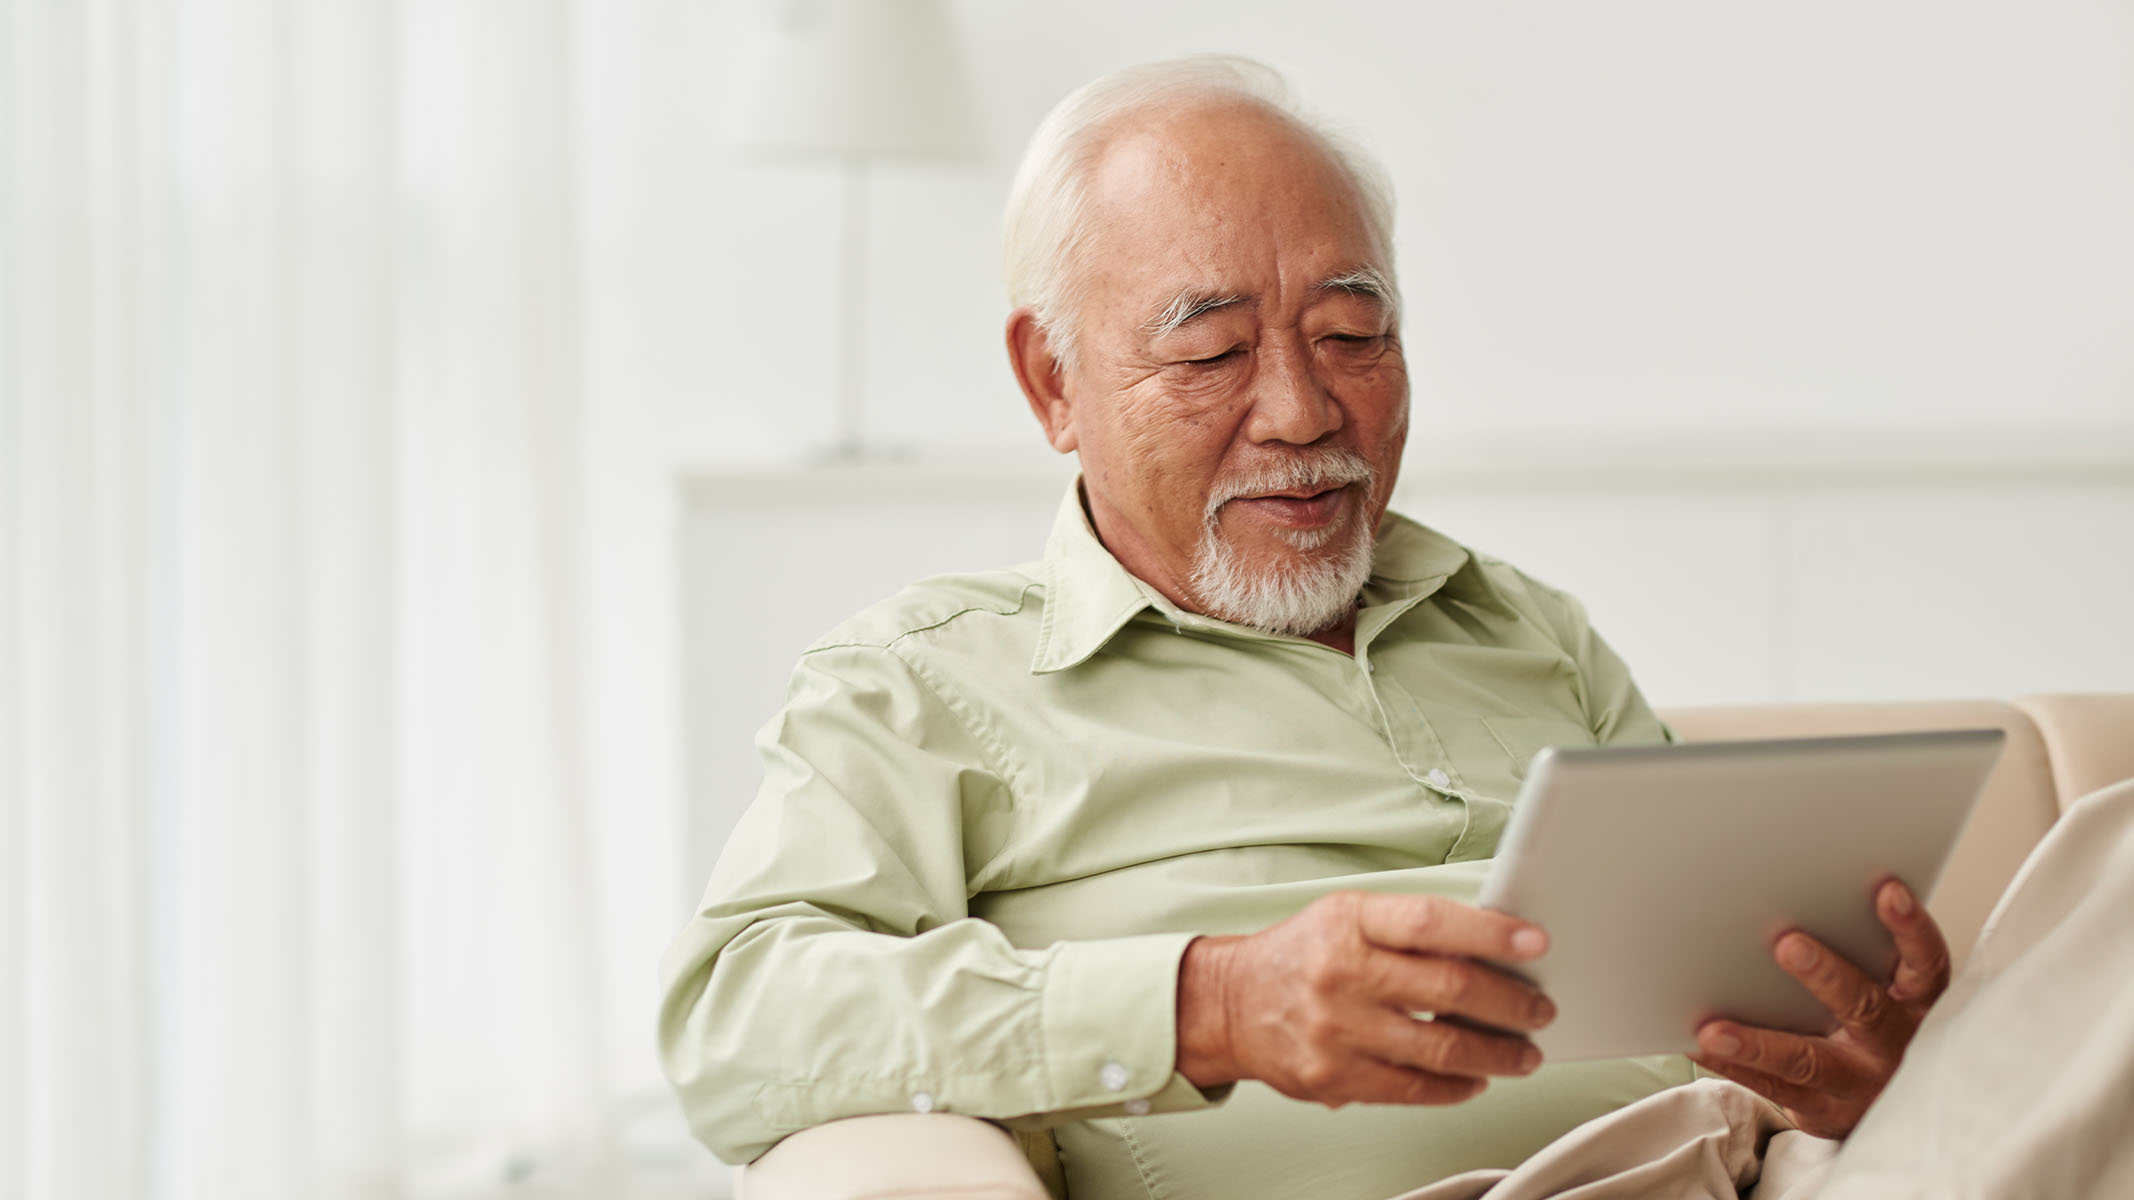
[{"x": 1203, "y": 1020}]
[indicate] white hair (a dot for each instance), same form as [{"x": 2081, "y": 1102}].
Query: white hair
[
  {"x": 1044, "y": 227},
  {"x": 1302, "y": 597}
]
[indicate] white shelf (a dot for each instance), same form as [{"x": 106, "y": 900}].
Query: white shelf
[{"x": 1735, "y": 465}]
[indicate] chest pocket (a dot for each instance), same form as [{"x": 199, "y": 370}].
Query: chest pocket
[{"x": 1521, "y": 738}]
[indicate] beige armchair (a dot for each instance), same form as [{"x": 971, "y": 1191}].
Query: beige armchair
[{"x": 2060, "y": 748}]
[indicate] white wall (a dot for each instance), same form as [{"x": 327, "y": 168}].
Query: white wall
[
  {"x": 1620, "y": 217},
  {"x": 1742, "y": 580},
  {"x": 1662, "y": 227}
]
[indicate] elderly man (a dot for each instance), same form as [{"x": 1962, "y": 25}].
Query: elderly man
[{"x": 1158, "y": 843}]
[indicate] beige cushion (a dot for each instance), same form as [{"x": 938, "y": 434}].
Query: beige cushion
[
  {"x": 904, "y": 1156},
  {"x": 2091, "y": 738},
  {"x": 2019, "y": 804}
]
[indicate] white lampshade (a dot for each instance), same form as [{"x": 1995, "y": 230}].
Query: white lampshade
[{"x": 869, "y": 79}]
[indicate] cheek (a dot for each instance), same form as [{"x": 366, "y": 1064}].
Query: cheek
[
  {"x": 1173, "y": 446},
  {"x": 1153, "y": 442},
  {"x": 1380, "y": 400},
  {"x": 1386, "y": 370},
  {"x": 1179, "y": 425}
]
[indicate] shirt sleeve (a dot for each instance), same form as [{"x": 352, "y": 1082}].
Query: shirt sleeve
[
  {"x": 1615, "y": 709},
  {"x": 833, "y": 969}
]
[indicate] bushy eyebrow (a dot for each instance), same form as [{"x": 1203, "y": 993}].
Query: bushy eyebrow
[
  {"x": 1186, "y": 306},
  {"x": 1192, "y": 303},
  {"x": 1368, "y": 282}
]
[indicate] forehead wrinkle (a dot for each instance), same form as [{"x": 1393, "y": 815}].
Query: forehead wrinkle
[{"x": 1214, "y": 195}]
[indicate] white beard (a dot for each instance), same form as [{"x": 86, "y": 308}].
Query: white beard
[{"x": 1298, "y": 598}]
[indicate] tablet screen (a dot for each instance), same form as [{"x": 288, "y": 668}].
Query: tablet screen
[{"x": 1665, "y": 873}]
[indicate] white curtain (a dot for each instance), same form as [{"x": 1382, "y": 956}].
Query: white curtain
[{"x": 296, "y": 890}]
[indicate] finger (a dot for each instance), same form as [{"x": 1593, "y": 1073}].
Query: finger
[
  {"x": 1435, "y": 925},
  {"x": 1859, "y": 1003},
  {"x": 1444, "y": 1047},
  {"x": 1770, "y": 1087},
  {"x": 1364, "y": 1080},
  {"x": 1922, "y": 952},
  {"x": 1811, "y": 1063},
  {"x": 1429, "y": 983}
]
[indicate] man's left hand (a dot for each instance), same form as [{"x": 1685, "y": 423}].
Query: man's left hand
[{"x": 1826, "y": 1083}]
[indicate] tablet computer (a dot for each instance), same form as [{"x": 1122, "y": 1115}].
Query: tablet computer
[{"x": 1664, "y": 874}]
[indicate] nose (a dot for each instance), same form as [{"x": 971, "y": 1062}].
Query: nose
[{"x": 1289, "y": 402}]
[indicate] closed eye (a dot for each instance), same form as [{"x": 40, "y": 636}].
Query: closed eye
[
  {"x": 1214, "y": 359},
  {"x": 1353, "y": 347}
]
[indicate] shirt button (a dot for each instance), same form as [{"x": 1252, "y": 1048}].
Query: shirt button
[
  {"x": 1370, "y": 668},
  {"x": 1137, "y": 1108},
  {"x": 922, "y": 1102},
  {"x": 1113, "y": 1076},
  {"x": 1438, "y": 778}
]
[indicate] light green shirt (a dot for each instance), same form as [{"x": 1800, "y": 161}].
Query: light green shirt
[{"x": 996, "y": 807}]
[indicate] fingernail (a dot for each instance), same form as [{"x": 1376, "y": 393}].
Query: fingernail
[
  {"x": 1797, "y": 953},
  {"x": 1544, "y": 1012},
  {"x": 1901, "y": 902},
  {"x": 1725, "y": 1045},
  {"x": 1529, "y": 942},
  {"x": 1530, "y": 1060}
]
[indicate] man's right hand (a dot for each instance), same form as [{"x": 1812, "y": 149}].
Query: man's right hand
[{"x": 1320, "y": 1007}]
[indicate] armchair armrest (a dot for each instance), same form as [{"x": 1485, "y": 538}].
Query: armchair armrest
[{"x": 894, "y": 1156}]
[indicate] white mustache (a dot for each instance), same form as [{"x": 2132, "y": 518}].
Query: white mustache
[{"x": 1315, "y": 471}]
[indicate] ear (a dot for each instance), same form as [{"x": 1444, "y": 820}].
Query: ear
[{"x": 1043, "y": 381}]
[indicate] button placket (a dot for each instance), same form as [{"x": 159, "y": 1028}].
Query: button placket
[{"x": 1414, "y": 741}]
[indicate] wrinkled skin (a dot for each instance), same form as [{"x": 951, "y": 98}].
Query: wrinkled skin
[
  {"x": 1231, "y": 202},
  {"x": 1227, "y": 201},
  {"x": 1319, "y": 1007}
]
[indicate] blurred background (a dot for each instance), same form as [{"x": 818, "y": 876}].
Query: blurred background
[{"x": 430, "y": 428}]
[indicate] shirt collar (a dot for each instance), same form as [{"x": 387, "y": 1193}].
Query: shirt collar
[
  {"x": 1414, "y": 561},
  {"x": 1089, "y": 596}
]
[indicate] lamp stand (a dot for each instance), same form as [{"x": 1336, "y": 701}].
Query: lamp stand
[{"x": 848, "y": 436}]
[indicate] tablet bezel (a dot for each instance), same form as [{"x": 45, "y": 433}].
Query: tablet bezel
[{"x": 1660, "y": 919}]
